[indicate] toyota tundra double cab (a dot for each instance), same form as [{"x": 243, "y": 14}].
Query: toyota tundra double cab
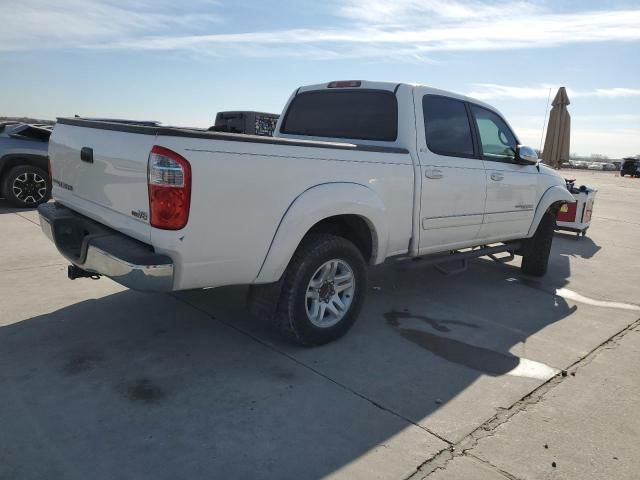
[{"x": 357, "y": 172}]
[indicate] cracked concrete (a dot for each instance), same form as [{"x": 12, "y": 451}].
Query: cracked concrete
[
  {"x": 471, "y": 468},
  {"x": 98, "y": 381},
  {"x": 586, "y": 427},
  {"x": 467, "y": 445}
]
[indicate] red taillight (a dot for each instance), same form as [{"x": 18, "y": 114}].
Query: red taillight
[{"x": 169, "y": 179}]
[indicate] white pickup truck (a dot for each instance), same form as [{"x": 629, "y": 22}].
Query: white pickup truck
[{"x": 358, "y": 172}]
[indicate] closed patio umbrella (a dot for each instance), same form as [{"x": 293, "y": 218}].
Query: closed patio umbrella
[{"x": 556, "y": 143}]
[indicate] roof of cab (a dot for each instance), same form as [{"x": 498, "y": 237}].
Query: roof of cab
[{"x": 392, "y": 87}]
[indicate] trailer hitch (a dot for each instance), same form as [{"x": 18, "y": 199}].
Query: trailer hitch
[{"x": 74, "y": 272}]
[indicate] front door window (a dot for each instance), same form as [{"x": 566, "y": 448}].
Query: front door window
[{"x": 497, "y": 140}]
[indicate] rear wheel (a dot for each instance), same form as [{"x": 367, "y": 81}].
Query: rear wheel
[
  {"x": 323, "y": 290},
  {"x": 536, "y": 257},
  {"x": 26, "y": 186}
]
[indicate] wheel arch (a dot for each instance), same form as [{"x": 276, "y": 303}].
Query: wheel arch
[
  {"x": 11, "y": 160},
  {"x": 350, "y": 210},
  {"x": 555, "y": 196}
]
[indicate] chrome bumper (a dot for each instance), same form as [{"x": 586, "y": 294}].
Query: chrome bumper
[{"x": 98, "y": 249}]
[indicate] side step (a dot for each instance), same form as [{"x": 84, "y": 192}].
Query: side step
[{"x": 462, "y": 257}]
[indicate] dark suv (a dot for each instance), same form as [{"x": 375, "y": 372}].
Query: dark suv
[
  {"x": 631, "y": 167},
  {"x": 24, "y": 176}
]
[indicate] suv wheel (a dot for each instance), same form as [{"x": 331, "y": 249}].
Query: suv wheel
[
  {"x": 323, "y": 290},
  {"x": 536, "y": 256},
  {"x": 26, "y": 186}
]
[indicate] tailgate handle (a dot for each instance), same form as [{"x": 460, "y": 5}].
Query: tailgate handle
[{"x": 86, "y": 154}]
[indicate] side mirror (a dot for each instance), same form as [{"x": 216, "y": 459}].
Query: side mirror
[{"x": 526, "y": 155}]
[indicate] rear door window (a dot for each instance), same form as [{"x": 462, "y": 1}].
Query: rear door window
[
  {"x": 354, "y": 114},
  {"x": 447, "y": 126}
]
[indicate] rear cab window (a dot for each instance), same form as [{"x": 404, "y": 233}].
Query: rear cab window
[
  {"x": 349, "y": 114},
  {"x": 447, "y": 128}
]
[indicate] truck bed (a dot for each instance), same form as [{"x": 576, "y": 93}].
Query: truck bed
[{"x": 242, "y": 186}]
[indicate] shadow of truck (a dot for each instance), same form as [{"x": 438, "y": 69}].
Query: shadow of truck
[{"x": 188, "y": 385}]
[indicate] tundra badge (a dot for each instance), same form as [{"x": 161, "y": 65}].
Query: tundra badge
[{"x": 141, "y": 214}]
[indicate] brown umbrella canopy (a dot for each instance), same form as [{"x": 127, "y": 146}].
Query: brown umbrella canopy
[{"x": 556, "y": 144}]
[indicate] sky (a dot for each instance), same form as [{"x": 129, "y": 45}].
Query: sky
[{"x": 181, "y": 62}]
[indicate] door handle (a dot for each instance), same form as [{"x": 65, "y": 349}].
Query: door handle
[
  {"x": 497, "y": 176},
  {"x": 433, "y": 173}
]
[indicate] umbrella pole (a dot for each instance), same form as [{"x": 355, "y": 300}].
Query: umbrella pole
[{"x": 544, "y": 122}]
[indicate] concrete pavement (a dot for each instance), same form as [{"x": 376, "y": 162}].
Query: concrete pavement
[
  {"x": 99, "y": 381},
  {"x": 586, "y": 426}
]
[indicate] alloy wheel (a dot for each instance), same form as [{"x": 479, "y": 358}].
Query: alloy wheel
[
  {"x": 29, "y": 187},
  {"x": 330, "y": 293}
]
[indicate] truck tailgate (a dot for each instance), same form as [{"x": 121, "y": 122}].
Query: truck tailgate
[{"x": 102, "y": 174}]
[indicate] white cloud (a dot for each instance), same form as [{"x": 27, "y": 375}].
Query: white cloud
[
  {"x": 612, "y": 92},
  {"x": 403, "y": 12},
  {"x": 38, "y": 24},
  {"x": 491, "y": 91},
  {"x": 410, "y": 29}
]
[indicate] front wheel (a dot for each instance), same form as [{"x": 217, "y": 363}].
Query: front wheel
[
  {"x": 536, "y": 257},
  {"x": 323, "y": 290}
]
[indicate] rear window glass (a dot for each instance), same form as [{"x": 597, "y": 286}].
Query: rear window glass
[{"x": 356, "y": 114}]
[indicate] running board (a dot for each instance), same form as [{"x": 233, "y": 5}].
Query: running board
[
  {"x": 464, "y": 263},
  {"x": 505, "y": 259},
  {"x": 438, "y": 261}
]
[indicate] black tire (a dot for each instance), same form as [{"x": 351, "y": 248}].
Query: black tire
[
  {"x": 291, "y": 314},
  {"x": 34, "y": 195},
  {"x": 536, "y": 258}
]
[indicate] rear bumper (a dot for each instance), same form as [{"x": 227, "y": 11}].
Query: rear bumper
[{"x": 96, "y": 248}]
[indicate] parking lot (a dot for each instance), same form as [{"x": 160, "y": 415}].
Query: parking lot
[{"x": 484, "y": 374}]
